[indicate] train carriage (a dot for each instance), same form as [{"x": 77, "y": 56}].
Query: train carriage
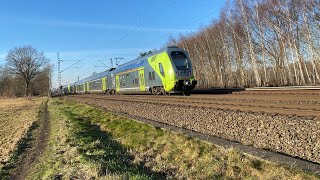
[{"x": 165, "y": 71}]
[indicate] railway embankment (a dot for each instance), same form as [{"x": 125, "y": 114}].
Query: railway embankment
[
  {"x": 86, "y": 142},
  {"x": 293, "y": 135}
]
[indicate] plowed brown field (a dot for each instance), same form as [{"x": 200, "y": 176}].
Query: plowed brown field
[{"x": 16, "y": 116}]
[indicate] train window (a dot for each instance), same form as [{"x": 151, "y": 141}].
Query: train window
[
  {"x": 127, "y": 74},
  {"x": 180, "y": 60},
  {"x": 152, "y": 75},
  {"x": 135, "y": 82},
  {"x": 161, "y": 69},
  {"x": 123, "y": 83}
]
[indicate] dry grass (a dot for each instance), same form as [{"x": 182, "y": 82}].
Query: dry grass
[{"x": 16, "y": 116}]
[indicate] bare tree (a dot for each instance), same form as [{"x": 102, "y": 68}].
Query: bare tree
[
  {"x": 25, "y": 62},
  {"x": 310, "y": 42},
  {"x": 258, "y": 43},
  {"x": 41, "y": 85},
  {"x": 2, "y": 76}
]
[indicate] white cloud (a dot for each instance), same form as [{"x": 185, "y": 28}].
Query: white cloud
[{"x": 100, "y": 26}]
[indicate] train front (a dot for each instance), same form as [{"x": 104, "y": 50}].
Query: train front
[{"x": 184, "y": 78}]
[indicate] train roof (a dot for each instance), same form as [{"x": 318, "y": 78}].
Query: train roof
[
  {"x": 93, "y": 77},
  {"x": 136, "y": 63}
]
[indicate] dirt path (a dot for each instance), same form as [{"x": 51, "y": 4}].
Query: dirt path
[{"x": 40, "y": 137}]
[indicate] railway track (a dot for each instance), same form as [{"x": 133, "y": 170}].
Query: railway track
[
  {"x": 286, "y": 89},
  {"x": 280, "y": 92},
  {"x": 305, "y": 105}
]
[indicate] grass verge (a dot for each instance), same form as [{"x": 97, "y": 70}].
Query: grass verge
[{"x": 86, "y": 142}]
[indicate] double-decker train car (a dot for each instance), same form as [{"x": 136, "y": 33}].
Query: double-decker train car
[{"x": 165, "y": 71}]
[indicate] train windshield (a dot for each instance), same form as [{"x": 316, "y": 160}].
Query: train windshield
[{"x": 180, "y": 60}]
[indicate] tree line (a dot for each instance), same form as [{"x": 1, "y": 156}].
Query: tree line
[
  {"x": 26, "y": 72},
  {"x": 258, "y": 43}
]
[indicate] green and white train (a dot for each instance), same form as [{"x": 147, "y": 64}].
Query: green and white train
[{"x": 166, "y": 71}]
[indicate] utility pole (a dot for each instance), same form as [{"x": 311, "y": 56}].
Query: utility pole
[
  {"x": 59, "y": 72},
  {"x": 59, "y": 66},
  {"x": 111, "y": 60}
]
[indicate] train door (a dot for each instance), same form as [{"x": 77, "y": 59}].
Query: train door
[
  {"x": 88, "y": 86},
  {"x": 69, "y": 91},
  {"x": 104, "y": 84},
  {"x": 117, "y": 83},
  {"x": 112, "y": 82},
  {"x": 142, "y": 82}
]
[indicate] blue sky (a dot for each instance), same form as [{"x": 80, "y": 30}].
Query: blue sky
[{"x": 94, "y": 31}]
